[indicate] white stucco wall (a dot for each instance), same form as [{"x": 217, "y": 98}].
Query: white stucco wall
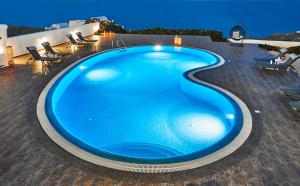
[
  {"x": 55, "y": 37},
  {"x": 3, "y": 38},
  {"x": 282, "y": 44},
  {"x": 74, "y": 23}
]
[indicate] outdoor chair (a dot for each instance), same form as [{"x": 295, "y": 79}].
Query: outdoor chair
[
  {"x": 237, "y": 34},
  {"x": 281, "y": 53},
  {"x": 54, "y": 52},
  {"x": 81, "y": 38},
  {"x": 295, "y": 105},
  {"x": 289, "y": 91},
  {"x": 77, "y": 43},
  {"x": 273, "y": 65},
  {"x": 45, "y": 60}
]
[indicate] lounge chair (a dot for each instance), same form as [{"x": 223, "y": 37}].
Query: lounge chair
[
  {"x": 35, "y": 56},
  {"x": 281, "y": 53},
  {"x": 289, "y": 91},
  {"x": 81, "y": 38},
  {"x": 56, "y": 52},
  {"x": 273, "y": 65},
  {"x": 295, "y": 105},
  {"x": 237, "y": 34},
  {"x": 78, "y": 43}
]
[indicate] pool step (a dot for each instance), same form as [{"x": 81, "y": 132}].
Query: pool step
[{"x": 143, "y": 150}]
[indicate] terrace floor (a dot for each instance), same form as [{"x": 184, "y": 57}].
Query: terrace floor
[{"x": 271, "y": 156}]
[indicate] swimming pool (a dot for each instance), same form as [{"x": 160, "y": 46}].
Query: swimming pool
[{"x": 141, "y": 109}]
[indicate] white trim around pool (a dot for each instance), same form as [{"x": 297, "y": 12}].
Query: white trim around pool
[{"x": 147, "y": 168}]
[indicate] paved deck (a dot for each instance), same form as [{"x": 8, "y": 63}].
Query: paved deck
[{"x": 271, "y": 156}]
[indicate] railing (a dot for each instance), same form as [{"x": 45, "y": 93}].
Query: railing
[{"x": 116, "y": 43}]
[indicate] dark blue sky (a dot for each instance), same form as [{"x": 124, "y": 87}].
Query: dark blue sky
[{"x": 261, "y": 17}]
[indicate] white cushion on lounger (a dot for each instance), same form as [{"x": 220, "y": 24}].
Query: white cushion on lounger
[
  {"x": 283, "y": 50},
  {"x": 293, "y": 56}
]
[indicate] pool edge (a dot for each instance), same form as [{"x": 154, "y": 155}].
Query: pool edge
[{"x": 147, "y": 168}]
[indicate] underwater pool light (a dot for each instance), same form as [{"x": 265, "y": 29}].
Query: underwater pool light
[
  {"x": 102, "y": 75},
  {"x": 157, "y": 47},
  {"x": 229, "y": 116},
  {"x": 201, "y": 127},
  {"x": 81, "y": 67}
]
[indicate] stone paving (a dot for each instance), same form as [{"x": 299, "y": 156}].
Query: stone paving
[{"x": 271, "y": 156}]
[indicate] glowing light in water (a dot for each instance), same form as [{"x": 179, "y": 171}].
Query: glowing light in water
[
  {"x": 157, "y": 47},
  {"x": 82, "y": 67},
  {"x": 201, "y": 127},
  {"x": 177, "y": 48},
  {"x": 160, "y": 55},
  {"x": 102, "y": 75},
  {"x": 230, "y": 116}
]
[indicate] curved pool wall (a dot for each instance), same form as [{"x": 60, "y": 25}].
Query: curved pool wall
[{"x": 200, "y": 103}]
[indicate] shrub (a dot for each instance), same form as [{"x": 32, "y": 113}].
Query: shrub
[
  {"x": 107, "y": 26},
  {"x": 295, "y": 50},
  {"x": 269, "y": 47},
  {"x": 214, "y": 34},
  {"x": 22, "y": 30}
]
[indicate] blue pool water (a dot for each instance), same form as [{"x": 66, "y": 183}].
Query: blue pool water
[{"x": 138, "y": 105}]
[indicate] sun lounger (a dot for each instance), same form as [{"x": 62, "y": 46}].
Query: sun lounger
[
  {"x": 279, "y": 66},
  {"x": 281, "y": 53},
  {"x": 289, "y": 91},
  {"x": 78, "y": 43},
  {"x": 51, "y": 51},
  {"x": 81, "y": 38},
  {"x": 35, "y": 56},
  {"x": 295, "y": 105},
  {"x": 45, "y": 60}
]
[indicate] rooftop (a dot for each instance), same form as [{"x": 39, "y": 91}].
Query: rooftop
[{"x": 269, "y": 157}]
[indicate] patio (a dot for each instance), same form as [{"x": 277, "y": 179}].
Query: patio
[{"x": 269, "y": 157}]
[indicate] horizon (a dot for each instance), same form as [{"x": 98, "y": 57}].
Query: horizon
[{"x": 260, "y": 17}]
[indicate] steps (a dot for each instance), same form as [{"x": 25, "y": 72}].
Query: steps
[{"x": 143, "y": 150}]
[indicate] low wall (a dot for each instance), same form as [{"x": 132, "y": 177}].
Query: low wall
[
  {"x": 55, "y": 37},
  {"x": 282, "y": 44},
  {"x": 3, "y": 38}
]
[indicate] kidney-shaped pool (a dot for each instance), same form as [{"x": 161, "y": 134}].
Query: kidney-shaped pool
[{"x": 141, "y": 109}]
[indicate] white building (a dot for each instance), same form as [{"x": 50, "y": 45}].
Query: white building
[
  {"x": 57, "y": 26},
  {"x": 74, "y": 23},
  {"x": 100, "y": 18}
]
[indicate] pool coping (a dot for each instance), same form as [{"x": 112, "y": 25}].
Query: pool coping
[{"x": 147, "y": 168}]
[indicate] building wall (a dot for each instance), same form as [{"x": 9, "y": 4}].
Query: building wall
[
  {"x": 75, "y": 23},
  {"x": 283, "y": 44},
  {"x": 55, "y": 37},
  {"x": 3, "y": 38}
]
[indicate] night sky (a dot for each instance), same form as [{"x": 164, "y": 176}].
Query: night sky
[{"x": 260, "y": 17}]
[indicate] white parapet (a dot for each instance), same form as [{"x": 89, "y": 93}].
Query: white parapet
[
  {"x": 3, "y": 37},
  {"x": 74, "y": 23},
  {"x": 282, "y": 44}
]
